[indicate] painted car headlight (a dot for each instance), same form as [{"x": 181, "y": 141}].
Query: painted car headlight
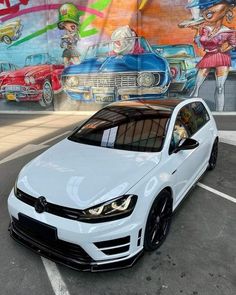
[
  {"x": 72, "y": 81},
  {"x": 174, "y": 72},
  {"x": 29, "y": 80},
  {"x": 146, "y": 79},
  {"x": 112, "y": 210}
]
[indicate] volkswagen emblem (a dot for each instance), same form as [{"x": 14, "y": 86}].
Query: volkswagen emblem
[{"x": 40, "y": 205}]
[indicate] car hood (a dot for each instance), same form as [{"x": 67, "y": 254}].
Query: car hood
[
  {"x": 121, "y": 63},
  {"x": 79, "y": 176},
  {"x": 28, "y": 71}
]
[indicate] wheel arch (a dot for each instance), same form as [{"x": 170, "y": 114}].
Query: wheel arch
[{"x": 166, "y": 189}]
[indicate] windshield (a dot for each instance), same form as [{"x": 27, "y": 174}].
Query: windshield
[
  {"x": 37, "y": 59},
  {"x": 175, "y": 51},
  {"x": 125, "y": 128},
  {"x": 134, "y": 45}
]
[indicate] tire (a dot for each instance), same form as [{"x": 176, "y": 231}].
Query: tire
[
  {"x": 213, "y": 156},
  {"x": 47, "y": 97},
  {"x": 158, "y": 221},
  {"x": 6, "y": 39}
]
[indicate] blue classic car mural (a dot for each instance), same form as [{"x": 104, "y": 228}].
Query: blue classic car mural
[
  {"x": 105, "y": 75},
  {"x": 182, "y": 60}
]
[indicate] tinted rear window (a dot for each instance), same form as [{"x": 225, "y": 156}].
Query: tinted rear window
[{"x": 125, "y": 128}]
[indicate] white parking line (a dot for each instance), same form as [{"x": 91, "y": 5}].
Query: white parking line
[
  {"x": 55, "y": 278},
  {"x": 214, "y": 191}
]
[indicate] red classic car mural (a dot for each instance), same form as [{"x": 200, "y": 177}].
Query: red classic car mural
[{"x": 37, "y": 81}]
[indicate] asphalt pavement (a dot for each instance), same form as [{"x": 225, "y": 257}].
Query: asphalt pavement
[{"x": 197, "y": 258}]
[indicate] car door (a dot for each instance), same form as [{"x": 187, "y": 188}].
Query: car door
[{"x": 187, "y": 165}]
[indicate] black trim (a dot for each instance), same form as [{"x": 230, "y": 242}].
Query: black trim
[
  {"x": 139, "y": 237},
  {"x": 50, "y": 208},
  {"x": 76, "y": 214},
  {"x": 114, "y": 251},
  {"x": 46, "y": 236},
  {"x": 68, "y": 261},
  {"x": 113, "y": 243}
]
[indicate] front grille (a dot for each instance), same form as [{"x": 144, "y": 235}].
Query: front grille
[
  {"x": 106, "y": 80},
  {"x": 25, "y": 227},
  {"x": 116, "y": 246},
  {"x": 13, "y": 88},
  {"x": 58, "y": 210}
]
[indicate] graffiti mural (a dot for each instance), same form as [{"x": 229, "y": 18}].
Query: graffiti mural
[
  {"x": 123, "y": 68},
  {"x": 216, "y": 39},
  {"x": 80, "y": 55}
]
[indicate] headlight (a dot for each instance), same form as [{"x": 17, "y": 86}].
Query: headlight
[
  {"x": 72, "y": 81},
  {"x": 32, "y": 80},
  {"x": 174, "y": 72},
  {"x": 146, "y": 80},
  {"x": 112, "y": 210},
  {"x": 29, "y": 80}
]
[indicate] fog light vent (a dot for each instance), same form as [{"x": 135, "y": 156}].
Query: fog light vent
[{"x": 139, "y": 237}]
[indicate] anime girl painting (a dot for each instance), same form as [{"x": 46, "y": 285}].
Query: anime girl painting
[{"x": 217, "y": 40}]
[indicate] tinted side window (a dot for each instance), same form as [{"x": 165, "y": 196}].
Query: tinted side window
[
  {"x": 186, "y": 115},
  {"x": 194, "y": 116},
  {"x": 200, "y": 113}
]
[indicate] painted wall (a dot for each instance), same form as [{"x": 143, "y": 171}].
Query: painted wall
[{"x": 30, "y": 29}]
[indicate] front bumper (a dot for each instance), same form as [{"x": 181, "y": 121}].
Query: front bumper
[
  {"x": 81, "y": 246},
  {"x": 111, "y": 94},
  {"x": 66, "y": 260},
  {"x": 21, "y": 93},
  {"x": 178, "y": 86}
]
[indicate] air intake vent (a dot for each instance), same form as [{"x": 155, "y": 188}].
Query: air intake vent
[
  {"x": 116, "y": 246},
  {"x": 139, "y": 237}
]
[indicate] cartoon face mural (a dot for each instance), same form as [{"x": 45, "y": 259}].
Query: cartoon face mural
[
  {"x": 217, "y": 40},
  {"x": 77, "y": 55},
  {"x": 69, "y": 22}
]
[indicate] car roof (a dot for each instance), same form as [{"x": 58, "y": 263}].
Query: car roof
[{"x": 157, "y": 104}]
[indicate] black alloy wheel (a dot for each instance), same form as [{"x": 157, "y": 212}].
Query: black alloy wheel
[
  {"x": 158, "y": 221},
  {"x": 213, "y": 156}
]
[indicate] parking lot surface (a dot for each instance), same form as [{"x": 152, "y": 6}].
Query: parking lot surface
[{"x": 198, "y": 257}]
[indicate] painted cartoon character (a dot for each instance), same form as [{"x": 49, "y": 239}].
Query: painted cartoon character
[
  {"x": 196, "y": 17},
  {"x": 69, "y": 22},
  {"x": 125, "y": 41},
  {"x": 217, "y": 40}
]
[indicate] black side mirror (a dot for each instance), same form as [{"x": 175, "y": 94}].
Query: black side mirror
[{"x": 186, "y": 144}]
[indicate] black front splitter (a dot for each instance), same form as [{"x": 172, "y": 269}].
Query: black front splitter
[{"x": 73, "y": 263}]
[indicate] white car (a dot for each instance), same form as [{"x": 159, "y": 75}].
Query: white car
[{"x": 99, "y": 198}]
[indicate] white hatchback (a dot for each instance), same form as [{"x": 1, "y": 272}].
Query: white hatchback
[{"x": 97, "y": 199}]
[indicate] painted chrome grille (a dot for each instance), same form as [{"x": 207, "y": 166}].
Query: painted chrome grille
[
  {"x": 13, "y": 88},
  {"x": 108, "y": 81}
]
